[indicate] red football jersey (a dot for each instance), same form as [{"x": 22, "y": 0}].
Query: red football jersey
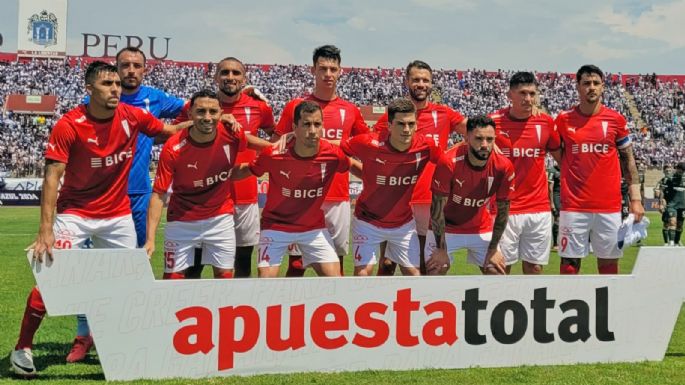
[
  {"x": 526, "y": 143},
  {"x": 199, "y": 174},
  {"x": 341, "y": 120},
  {"x": 469, "y": 189},
  {"x": 98, "y": 154},
  {"x": 590, "y": 168},
  {"x": 297, "y": 186},
  {"x": 389, "y": 176},
  {"x": 252, "y": 114},
  {"x": 435, "y": 122}
]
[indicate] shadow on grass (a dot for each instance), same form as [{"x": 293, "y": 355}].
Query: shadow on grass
[
  {"x": 51, "y": 354},
  {"x": 675, "y": 354}
]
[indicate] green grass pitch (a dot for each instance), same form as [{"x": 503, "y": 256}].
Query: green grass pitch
[{"x": 17, "y": 230}]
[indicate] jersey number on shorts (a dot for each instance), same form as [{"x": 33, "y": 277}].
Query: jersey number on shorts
[{"x": 169, "y": 259}]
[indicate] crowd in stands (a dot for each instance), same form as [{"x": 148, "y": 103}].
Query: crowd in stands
[{"x": 661, "y": 106}]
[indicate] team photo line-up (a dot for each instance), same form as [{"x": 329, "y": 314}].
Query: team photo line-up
[{"x": 421, "y": 201}]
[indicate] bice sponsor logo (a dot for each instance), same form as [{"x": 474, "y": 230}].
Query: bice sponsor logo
[
  {"x": 406, "y": 323},
  {"x": 521, "y": 152},
  {"x": 302, "y": 193},
  {"x": 469, "y": 202},
  {"x": 111, "y": 160},
  {"x": 332, "y": 133},
  {"x": 389, "y": 180},
  {"x": 590, "y": 148}
]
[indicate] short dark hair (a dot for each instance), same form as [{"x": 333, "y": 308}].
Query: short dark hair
[
  {"x": 204, "y": 93},
  {"x": 131, "y": 49},
  {"x": 521, "y": 78},
  {"x": 479, "y": 121},
  {"x": 422, "y": 65},
  {"x": 306, "y": 107},
  {"x": 327, "y": 52},
  {"x": 589, "y": 69},
  {"x": 680, "y": 166},
  {"x": 400, "y": 106},
  {"x": 96, "y": 68},
  {"x": 231, "y": 58}
]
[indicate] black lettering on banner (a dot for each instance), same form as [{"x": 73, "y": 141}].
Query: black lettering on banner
[
  {"x": 520, "y": 324},
  {"x": 471, "y": 306},
  {"x": 602, "y": 331},
  {"x": 540, "y": 304},
  {"x": 575, "y": 327}
]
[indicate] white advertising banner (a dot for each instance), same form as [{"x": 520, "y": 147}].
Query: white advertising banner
[
  {"x": 42, "y": 28},
  {"x": 147, "y": 328}
]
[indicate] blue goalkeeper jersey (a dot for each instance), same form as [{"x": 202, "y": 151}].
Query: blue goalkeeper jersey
[{"x": 161, "y": 105}]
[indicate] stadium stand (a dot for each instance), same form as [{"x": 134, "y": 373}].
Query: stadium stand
[{"x": 655, "y": 108}]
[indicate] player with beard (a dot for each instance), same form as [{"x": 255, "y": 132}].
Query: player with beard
[
  {"x": 596, "y": 149},
  {"x": 252, "y": 113},
  {"x": 465, "y": 181},
  {"x": 435, "y": 122}
]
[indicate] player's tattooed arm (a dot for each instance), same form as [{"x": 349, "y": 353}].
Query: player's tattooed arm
[
  {"x": 629, "y": 170},
  {"x": 154, "y": 214},
  {"x": 240, "y": 171},
  {"x": 439, "y": 262},
  {"x": 494, "y": 260},
  {"x": 45, "y": 238}
]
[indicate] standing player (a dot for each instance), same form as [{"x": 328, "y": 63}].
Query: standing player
[
  {"x": 466, "y": 180},
  {"x": 525, "y": 138},
  {"x": 251, "y": 113},
  {"x": 92, "y": 147},
  {"x": 664, "y": 195},
  {"x": 299, "y": 179},
  {"x": 676, "y": 206},
  {"x": 196, "y": 163},
  {"x": 130, "y": 63},
  {"x": 435, "y": 122},
  {"x": 392, "y": 162},
  {"x": 341, "y": 120},
  {"x": 597, "y": 146}
]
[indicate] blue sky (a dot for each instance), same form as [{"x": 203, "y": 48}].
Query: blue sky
[{"x": 626, "y": 36}]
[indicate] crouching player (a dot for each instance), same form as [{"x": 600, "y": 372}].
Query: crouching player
[
  {"x": 197, "y": 164},
  {"x": 299, "y": 178},
  {"x": 393, "y": 161},
  {"x": 466, "y": 179}
]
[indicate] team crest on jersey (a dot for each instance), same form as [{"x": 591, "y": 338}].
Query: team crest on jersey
[
  {"x": 247, "y": 114},
  {"x": 605, "y": 128},
  {"x": 227, "y": 151},
  {"x": 435, "y": 118},
  {"x": 538, "y": 130},
  {"x": 323, "y": 172},
  {"x": 419, "y": 157},
  {"x": 491, "y": 180},
  {"x": 127, "y": 129}
]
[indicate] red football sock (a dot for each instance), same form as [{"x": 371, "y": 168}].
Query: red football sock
[
  {"x": 295, "y": 268},
  {"x": 33, "y": 316},
  {"x": 608, "y": 269},
  {"x": 567, "y": 269},
  {"x": 174, "y": 276},
  {"x": 226, "y": 275}
]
